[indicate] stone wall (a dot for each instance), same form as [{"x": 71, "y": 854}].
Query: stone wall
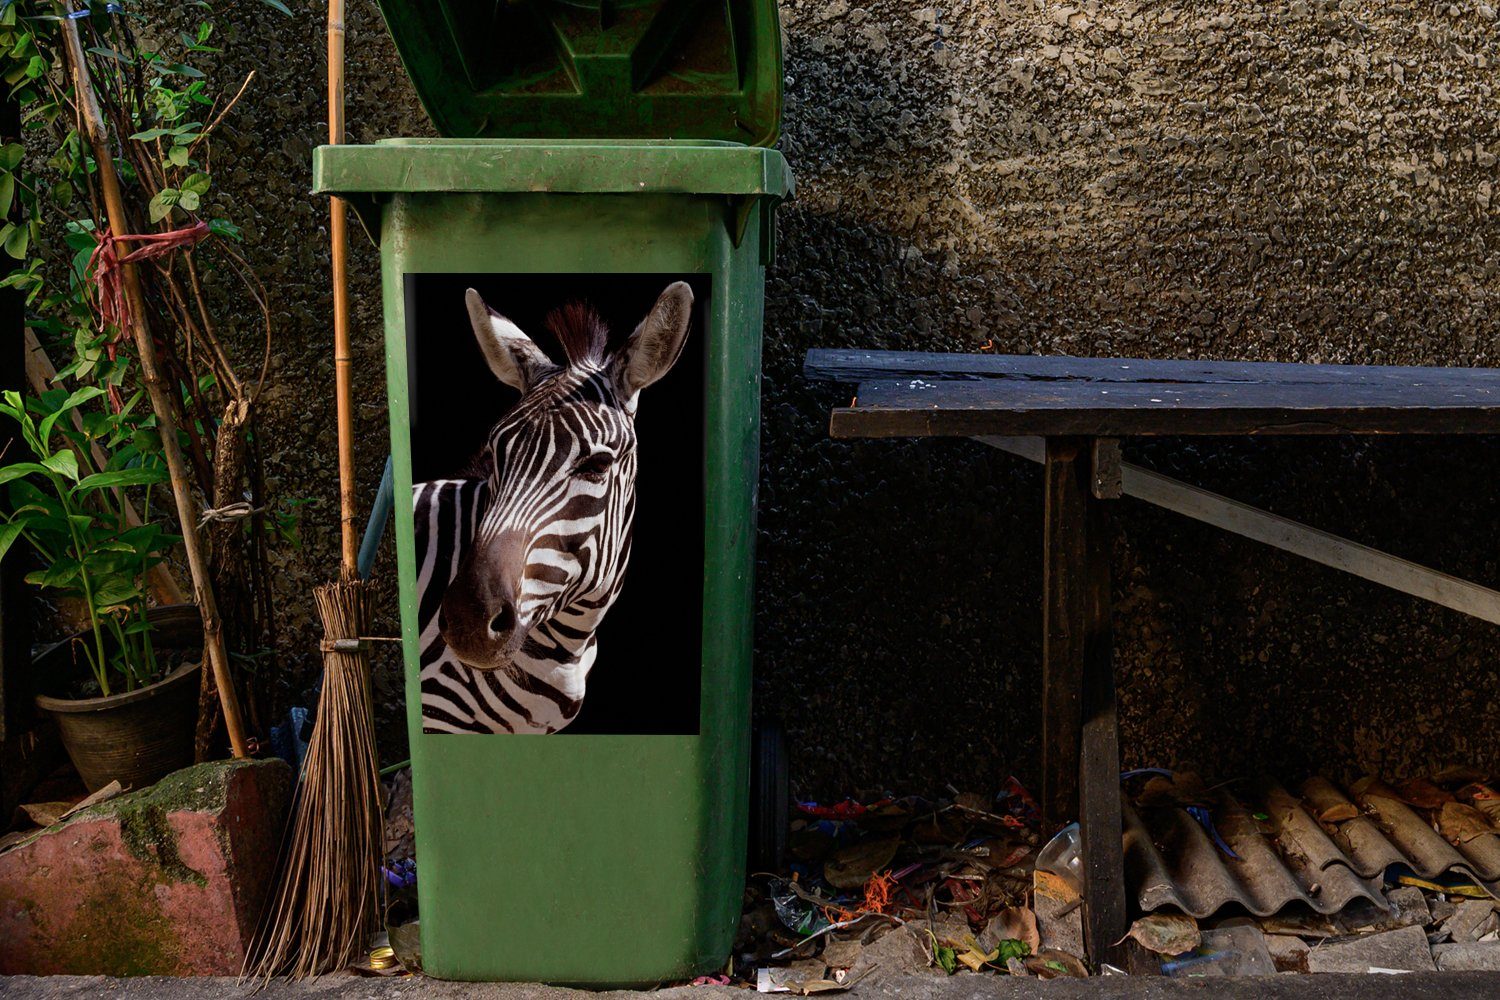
[{"x": 1298, "y": 181}]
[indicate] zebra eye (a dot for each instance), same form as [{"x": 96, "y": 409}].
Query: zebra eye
[{"x": 594, "y": 467}]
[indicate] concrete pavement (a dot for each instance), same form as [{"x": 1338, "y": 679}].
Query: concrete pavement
[{"x": 1417, "y": 986}]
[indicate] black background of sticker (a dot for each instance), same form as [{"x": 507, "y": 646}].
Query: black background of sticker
[{"x": 646, "y": 679}]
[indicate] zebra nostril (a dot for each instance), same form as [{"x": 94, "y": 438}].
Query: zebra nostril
[{"x": 504, "y": 621}]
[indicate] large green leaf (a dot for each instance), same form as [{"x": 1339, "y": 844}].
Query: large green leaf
[
  {"x": 17, "y": 240},
  {"x": 25, "y": 491},
  {"x": 76, "y": 398},
  {"x": 117, "y": 591},
  {"x": 64, "y": 463},
  {"x": 60, "y": 574},
  {"x": 18, "y": 469},
  {"x": 122, "y": 477},
  {"x": 9, "y": 532},
  {"x": 161, "y": 205},
  {"x": 148, "y": 538}
]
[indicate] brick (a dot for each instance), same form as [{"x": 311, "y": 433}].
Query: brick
[{"x": 169, "y": 880}]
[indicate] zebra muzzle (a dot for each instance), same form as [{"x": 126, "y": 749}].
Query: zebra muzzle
[{"x": 484, "y": 637}]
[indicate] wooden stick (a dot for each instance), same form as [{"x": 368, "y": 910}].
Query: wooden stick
[
  {"x": 161, "y": 401},
  {"x": 40, "y": 372},
  {"x": 1290, "y": 536},
  {"x": 343, "y": 360}
]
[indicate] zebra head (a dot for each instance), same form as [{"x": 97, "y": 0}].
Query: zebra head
[{"x": 550, "y": 547}]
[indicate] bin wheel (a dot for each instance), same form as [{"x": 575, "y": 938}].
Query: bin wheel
[{"x": 770, "y": 793}]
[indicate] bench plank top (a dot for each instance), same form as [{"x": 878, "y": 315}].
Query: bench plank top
[{"x": 910, "y": 394}]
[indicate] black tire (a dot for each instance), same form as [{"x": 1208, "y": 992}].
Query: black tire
[{"x": 770, "y": 797}]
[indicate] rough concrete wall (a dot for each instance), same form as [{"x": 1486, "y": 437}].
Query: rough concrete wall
[{"x": 1300, "y": 181}]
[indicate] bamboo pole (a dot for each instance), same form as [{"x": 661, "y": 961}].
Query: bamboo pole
[
  {"x": 327, "y": 901},
  {"x": 40, "y": 372},
  {"x": 161, "y": 402},
  {"x": 343, "y": 360}
]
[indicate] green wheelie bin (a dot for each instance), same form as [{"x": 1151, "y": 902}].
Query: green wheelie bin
[{"x": 573, "y": 287}]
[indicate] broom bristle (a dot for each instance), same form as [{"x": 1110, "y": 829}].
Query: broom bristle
[{"x": 327, "y": 895}]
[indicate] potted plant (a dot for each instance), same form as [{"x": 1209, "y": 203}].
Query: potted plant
[{"x": 125, "y": 701}]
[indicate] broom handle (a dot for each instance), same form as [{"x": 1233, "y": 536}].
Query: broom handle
[
  {"x": 161, "y": 403},
  {"x": 339, "y": 256}
]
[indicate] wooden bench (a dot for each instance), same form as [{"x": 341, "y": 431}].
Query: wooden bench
[{"x": 1069, "y": 414}]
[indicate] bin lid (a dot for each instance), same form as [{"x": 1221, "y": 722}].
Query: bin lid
[
  {"x": 552, "y": 166},
  {"x": 590, "y": 69}
]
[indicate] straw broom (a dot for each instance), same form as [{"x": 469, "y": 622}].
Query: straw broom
[{"x": 327, "y": 901}]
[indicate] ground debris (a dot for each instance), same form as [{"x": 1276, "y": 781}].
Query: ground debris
[
  {"x": 1403, "y": 950},
  {"x": 1166, "y": 933},
  {"x": 1472, "y": 920},
  {"x": 885, "y": 885},
  {"x": 1288, "y": 953},
  {"x": 1235, "y": 948},
  {"x": 1477, "y": 956}
]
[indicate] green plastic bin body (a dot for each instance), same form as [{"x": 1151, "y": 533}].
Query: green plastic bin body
[{"x": 586, "y": 859}]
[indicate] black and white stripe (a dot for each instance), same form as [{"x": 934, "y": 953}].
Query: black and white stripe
[
  {"x": 576, "y": 566},
  {"x": 517, "y": 568}
]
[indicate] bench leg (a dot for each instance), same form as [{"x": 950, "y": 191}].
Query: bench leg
[
  {"x": 1080, "y": 737},
  {"x": 1100, "y": 825},
  {"x": 1064, "y": 575}
]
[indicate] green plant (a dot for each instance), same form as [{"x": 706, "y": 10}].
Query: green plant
[
  {"x": 72, "y": 510},
  {"x": 207, "y": 312}
]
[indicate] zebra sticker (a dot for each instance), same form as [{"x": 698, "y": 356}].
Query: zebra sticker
[{"x": 519, "y": 560}]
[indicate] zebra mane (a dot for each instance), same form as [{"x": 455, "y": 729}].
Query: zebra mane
[
  {"x": 479, "y": 465},
  {"x": 581, "y": 331}
]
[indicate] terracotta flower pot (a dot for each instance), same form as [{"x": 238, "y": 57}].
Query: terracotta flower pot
[{"x": 136, "y": 737}]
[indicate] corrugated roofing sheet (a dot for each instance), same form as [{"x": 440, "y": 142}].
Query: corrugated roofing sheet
[{"x": 1324, "y": 848}]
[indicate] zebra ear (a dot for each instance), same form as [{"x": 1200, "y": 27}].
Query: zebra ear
[
  {"x": 512, "y": 355},
  {"x": 656, "y": 344}
]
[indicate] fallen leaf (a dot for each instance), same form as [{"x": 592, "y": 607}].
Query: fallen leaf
[
  {"x": 1052, "y": 964},
  {"x": 841, "y": 954},
  {"x": 45, "y": 813},
  {"x": 104, "y": 794},
  {"x": 1458, "y": 774},
  {"x": 974, "y": 960},
  {"x": 48, "y": 813},
  {"x": 1338, "y": 812},
  {"x": 1017, "y": 967},
  {"x": 1460, "y": 824},
  {"x": 1326, "y": 802},
  {"x": 977, "y": 957},
  {"x": 1166, "y": 933},
  {"x": 1014, "y": 923},
  {"x": 1484, "y": 798},
  {"x": 1157, "y": 791},
  {"x": 1183, "y": 788},
  {"x": 1423, "y": 794},
  {"x": 1371, "y": 787},
  {"x": 852, "y": 866}
]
